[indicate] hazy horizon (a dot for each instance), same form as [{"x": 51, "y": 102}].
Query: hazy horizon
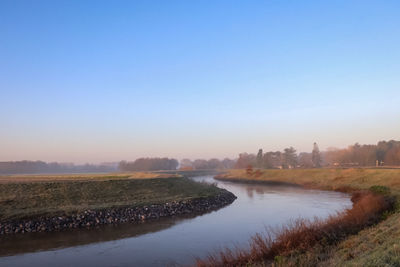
[
  {"x": 234, "y": 156},
  {"x": 91, "y": 82}
]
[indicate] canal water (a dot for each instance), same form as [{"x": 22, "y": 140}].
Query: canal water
[{"x": 175, "y": 241}]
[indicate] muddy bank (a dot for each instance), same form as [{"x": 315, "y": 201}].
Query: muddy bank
[{"x": 92, "y": 218}]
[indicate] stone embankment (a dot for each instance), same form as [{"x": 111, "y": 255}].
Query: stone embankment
[{"x": 91, "y": 218}]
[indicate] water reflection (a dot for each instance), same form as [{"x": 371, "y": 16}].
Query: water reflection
[
  {"x": 33, "y": 242},
  {"x": 175, "y": 240}
]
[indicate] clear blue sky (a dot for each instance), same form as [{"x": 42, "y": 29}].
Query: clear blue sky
[{"x": 94, "y": 81}]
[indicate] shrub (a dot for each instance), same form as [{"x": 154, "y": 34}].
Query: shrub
[
  {"x": 249, "y": 170},
  {"x": 257, "y": 173},
  {"x": 380, "y": 189}
]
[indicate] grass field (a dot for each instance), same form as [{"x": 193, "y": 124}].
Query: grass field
[
  {"x": 81, "y": 177},
  {"x": 30, "y": 196},
  {"x": 378, "y": 245},
  {"x": 327, "y": 179}
]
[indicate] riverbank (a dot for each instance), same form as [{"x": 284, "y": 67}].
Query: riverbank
[
  {"x": 59, "y": 204},
  {"x": 346, "y": 180},
  {"x": 338, "y": 241}
]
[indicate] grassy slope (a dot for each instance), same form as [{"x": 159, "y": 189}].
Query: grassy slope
[
  {"x": 25, "y": 199},
  {"x": 329, "y": 179},
  {"x": 375, "y": 246},
  {"x": 81, "y": 177}
]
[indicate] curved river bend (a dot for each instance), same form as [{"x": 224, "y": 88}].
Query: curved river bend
[{"x": 171, "y": 241}]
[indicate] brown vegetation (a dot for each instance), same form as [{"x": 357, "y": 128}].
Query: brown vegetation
[
  {"x": 344, "y": 180},
  {"x": 82, "y": 177},
  {"x": 302, "y": 235}
]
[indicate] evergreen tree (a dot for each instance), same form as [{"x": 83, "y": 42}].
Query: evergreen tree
[
  {"x": 289, "y": 158},
  {"x": 316, "y": 156},
  {"x": 259, "y": 158}
]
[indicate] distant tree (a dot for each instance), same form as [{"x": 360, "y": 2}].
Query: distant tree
[
  {"x": 289, "y": 158},
  {"x": 149, "y": 164},
  {"x": 272, "y": 160},
  {"x": 305, "y": 160},
  {"x": 211, "y": 164},
  {"x": 267, "y": 160},
  {"x": 31, "y": 167},
  {"x": 381, "y": 151},
  {"x": 259, "y": 159},
  {"x": 200, "y": 164},
  {"x": 228, "y": 163},
  {"x": 214, "y": 164},
  {"x": 392, "y": 155},
  {"x": 244, "y": 160},
  {"x": 316, "y": 156},
  {"x": 186, "y": 164}
]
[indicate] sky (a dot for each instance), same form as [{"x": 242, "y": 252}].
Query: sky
[{"x": 103, "y": 81}]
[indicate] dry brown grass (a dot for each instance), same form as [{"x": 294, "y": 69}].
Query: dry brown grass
[
  {"x": 328, "y": 179},
  {"x": 82, "y": 177},
  {"x": 302, "y": 235}
]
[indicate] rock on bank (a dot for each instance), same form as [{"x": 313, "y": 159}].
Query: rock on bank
[{"x": 92, "y": 218}]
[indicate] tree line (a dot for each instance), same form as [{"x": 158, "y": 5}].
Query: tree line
[
  {"x": 203, "y": 164},
  {"x": 155, "y": 164},
  {"x": 36, "y": 167},
  {"x": 140, "y": 164},
  {"x": 286, "y": 159},
  {"x": 149, "y": 164},
  {"x": 384, "y": 153}
]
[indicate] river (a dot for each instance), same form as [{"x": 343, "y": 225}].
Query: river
[{"x": 174, "y": 241}]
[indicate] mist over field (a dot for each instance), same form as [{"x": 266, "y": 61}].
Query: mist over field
[{"x": 384, "y": 154}]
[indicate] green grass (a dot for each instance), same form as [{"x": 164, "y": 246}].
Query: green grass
[
  {"x": 30, "y": 199},
  {"x": 375, "y": 246}
]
